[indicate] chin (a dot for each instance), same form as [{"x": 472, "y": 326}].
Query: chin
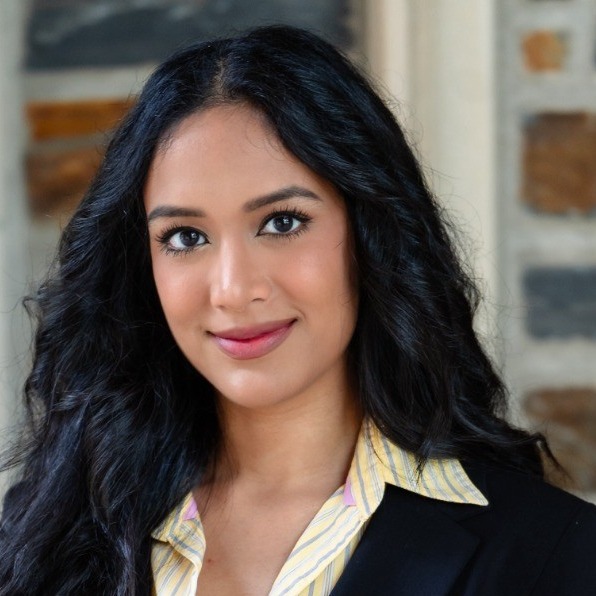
[
  {"x": 246, "y": 391},
  {"x": 252, "y": 399}
]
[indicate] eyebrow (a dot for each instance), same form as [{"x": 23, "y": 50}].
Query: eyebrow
[{"x": 288, "y": 192}]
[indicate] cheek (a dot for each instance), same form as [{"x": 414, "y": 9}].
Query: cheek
[
  {"x": 325, "y": 279},
  {"x": 177, "y": 290}
]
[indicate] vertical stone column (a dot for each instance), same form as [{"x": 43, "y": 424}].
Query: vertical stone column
[
  {"x": 13, "y": 214},
  {"x": 388, "y": 32},
  {"x": 436, "y": 57},
  {"x": 454, "y": 101}
]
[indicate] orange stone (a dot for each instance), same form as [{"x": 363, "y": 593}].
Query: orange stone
[
  {"x": 56, "y": 120},
  {"x": 58, "y": 179},
  {"x": 544, "y": 50},
  {"x": 64, "y": 151}
]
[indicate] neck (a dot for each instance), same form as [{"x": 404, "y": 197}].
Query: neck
[{"x": 309, "y": 441}]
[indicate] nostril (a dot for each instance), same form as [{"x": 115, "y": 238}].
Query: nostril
[{"x": 237, "y": 287}]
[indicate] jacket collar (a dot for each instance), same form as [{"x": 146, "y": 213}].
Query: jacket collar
[{"x": 413, "y": 546}]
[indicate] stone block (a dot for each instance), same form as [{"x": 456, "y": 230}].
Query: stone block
[
  {"x": 568, "y": 419},
  {"x": 58, "y": 178},
  {"x": 561, "y": 302},
  {"x": 65, "y": 149},
  {"x": 56, "y": 120},
  {"x": 544, "y": 51},
  {"x": 117, "y": 32},
  {"x": 558, "y": 163}
]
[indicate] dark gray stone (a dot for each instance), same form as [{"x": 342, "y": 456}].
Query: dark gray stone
[
  {"x": 67, "y": 34},
  {"x": 561, "y": 302}
]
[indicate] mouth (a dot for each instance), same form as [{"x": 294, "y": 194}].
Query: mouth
[{"x": 244, "y": 343}]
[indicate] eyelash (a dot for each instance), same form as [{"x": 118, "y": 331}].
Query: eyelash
[
  {"x": 165, "y": 236},
  {"x": 294, "y": 213},
  {"x": 164, "y": 239}
]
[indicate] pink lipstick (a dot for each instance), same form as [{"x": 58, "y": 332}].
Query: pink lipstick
[{"x": 244, "y": 343}]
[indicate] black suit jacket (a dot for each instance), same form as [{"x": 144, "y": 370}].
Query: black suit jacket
[{"x": 532, "y": 539}]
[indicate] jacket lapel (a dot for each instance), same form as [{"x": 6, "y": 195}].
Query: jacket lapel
[{"x": 410, "y": 547}]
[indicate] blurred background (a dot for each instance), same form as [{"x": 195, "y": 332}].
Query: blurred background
[{"x": 498, "y": 96}]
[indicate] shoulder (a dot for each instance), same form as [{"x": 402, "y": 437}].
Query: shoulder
[
  {"x": 529, "y": 500},
  {"x": 534, "y": 530},
  {"x": 522, "y": 510},
  {"x": 531, "y": 538}
]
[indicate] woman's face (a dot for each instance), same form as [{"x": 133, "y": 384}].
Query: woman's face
[{"x": 251, "y": 258}]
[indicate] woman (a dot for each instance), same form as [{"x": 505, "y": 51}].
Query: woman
[{"x": 255, "y": 369}]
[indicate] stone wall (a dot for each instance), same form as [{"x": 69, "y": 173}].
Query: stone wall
[
  {"x": 547, "y": 148},
  {"x": 85, "y": 61},
  {"x": 82, "y": 33}
]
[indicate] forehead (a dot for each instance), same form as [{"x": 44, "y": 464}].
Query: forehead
[
  {"x": 225, "y": 152},
  {"x": 219, "y": 125}
]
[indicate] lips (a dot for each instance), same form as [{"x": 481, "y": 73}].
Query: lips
[{"x": 243, "y": 343}]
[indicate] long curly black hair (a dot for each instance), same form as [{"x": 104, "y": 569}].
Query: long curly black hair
[{"x": 120, "y": 424}]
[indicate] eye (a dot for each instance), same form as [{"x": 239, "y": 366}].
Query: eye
[
  {"x": 281, "y": 224},
  {"x": 285, "y": 223},
  {"x": 182, "y": 239}
]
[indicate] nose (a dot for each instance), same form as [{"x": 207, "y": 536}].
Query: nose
[{"x": 239, "y": 278}]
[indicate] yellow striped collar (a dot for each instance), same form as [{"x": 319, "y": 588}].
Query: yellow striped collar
[
  {"x": 323, "y": 550},
  {"x": 378, "y": 461}
]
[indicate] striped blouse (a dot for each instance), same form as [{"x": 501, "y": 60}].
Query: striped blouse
[{"x": 324, "y": 549}]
